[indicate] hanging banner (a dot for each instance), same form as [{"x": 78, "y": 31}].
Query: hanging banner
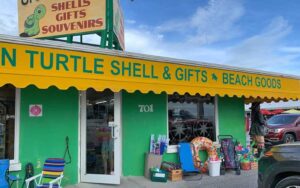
[
  {"x": 119, "y": 23},
  {"x": 49, "y": 18}
]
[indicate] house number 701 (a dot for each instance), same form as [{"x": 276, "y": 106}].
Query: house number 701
[{"x": 146, "y": 108}]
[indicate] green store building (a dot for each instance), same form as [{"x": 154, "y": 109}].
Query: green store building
[{"x": 108, "y": 103}]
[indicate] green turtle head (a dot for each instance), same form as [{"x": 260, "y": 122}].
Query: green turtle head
[{"x": 39, "y": 11}]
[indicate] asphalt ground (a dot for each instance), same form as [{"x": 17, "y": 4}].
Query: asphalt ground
[{"x": 247, "y": 179}]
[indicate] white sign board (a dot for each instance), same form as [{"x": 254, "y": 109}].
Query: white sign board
[{"x": 35, "y": 110}]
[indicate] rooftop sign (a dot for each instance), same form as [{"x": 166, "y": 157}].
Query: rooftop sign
[{"x": 49, "y": 18}]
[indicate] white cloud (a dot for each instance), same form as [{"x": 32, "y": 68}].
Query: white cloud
[
  {"x": 130, "y": 21},
  {"x": 152, "y": 43},
  {"x": 290, "y": 49},
  {"x": 144, "y": 41},
  {"x": 217, "y": 21},
  {"x": 9, "y": 18},
  {"x": 212, "y": 23},
  {"x": 262, "y": 50}
]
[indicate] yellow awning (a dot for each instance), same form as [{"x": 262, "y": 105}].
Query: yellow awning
[{"x": 45, "y": 63}]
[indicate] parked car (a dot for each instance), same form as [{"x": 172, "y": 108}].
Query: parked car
[
  {"x": 280, "y": 167},
  {"x": 283, "y": 128}
]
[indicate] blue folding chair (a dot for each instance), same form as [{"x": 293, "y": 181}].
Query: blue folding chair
[
  {"x": 6, "y": 179},
  {"x": 186, "y": 158}
]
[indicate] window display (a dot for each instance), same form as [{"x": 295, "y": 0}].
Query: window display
[{"x": 190, "y": 117}]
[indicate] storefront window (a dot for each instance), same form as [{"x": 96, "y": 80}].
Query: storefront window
[
  {"x": 190, "y": 117},
  {"x": 7, "y": 121}
]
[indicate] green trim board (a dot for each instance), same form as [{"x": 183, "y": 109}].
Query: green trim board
[
  {"x": 138, "y": 126},
  {"x": 231, "y": 112},
  {"x": 44, "y": 137}
]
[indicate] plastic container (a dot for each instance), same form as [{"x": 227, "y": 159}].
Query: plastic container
[
  {"x": 214, "y": 168},
  {"x": 157, "y": 175}
]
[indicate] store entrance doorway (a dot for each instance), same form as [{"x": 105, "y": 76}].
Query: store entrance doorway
[{"x": 100, "y": 137}]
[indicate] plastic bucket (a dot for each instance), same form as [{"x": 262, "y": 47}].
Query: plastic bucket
[{"x": 214, "y": 168}]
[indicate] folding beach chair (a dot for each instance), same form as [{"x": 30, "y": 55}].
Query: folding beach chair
[
  {"x": 51, "y": 175},
  {"x": 186, "y": 158}
]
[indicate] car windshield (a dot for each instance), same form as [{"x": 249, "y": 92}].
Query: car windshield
[{"x": 281, "y": 120}]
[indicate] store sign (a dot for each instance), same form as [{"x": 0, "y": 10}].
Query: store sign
[
  {"x": 119, "y": 23},
  {"x": 35, "y": 110},
  {"x": 48, "y": 18},
  {"x": 45, "y": 67},
  {"x": 146, "y": 108}
]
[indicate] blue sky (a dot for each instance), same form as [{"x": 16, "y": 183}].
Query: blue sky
[{"x": 260, "y": 34}]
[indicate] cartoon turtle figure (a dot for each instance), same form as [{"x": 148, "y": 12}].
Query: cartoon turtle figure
[{"x": 31, "y": 24}]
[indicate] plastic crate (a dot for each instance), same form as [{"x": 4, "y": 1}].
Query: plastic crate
[{"x": 158, "y": 176}]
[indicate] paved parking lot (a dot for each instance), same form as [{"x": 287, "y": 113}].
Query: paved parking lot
[{"x": 248, "y": 179}]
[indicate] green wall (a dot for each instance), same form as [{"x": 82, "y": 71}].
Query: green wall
[
  {"x": 44, "y": 137},
  {"x": 232, "y": 118},
  {"x": 138, "y": 126}
]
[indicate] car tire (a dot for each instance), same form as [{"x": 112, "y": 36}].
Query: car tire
[
  {"x": 288, "y": 138},
  {"x": 290, "y": 181}
]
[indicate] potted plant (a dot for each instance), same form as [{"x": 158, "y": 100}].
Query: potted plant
[{"x": 245, "y": 162}]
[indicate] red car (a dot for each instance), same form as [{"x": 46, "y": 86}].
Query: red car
[{"x": 283, "y": 128}]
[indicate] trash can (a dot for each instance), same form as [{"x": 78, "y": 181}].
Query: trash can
[
  {"x": 214, "y": 168},
  {"x": 4, "y": 164}
]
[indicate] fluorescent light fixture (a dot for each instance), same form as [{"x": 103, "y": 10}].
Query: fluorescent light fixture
[{"x": 101, "y": 102}]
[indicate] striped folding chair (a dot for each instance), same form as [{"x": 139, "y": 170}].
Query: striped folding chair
[{"x": 51, "y": 175}]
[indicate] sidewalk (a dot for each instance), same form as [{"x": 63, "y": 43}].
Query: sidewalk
[{"x": 248, "y": 179}]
